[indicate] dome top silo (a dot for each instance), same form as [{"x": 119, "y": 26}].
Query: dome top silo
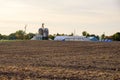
[{"x": 43, "y": 25}]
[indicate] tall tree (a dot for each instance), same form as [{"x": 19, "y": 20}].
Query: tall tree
[
  {"x": 84, "y": 33},
  {"x": 103, "y": 36},
  {"x": 20, "y": 34},
  {"x": 12, "y": 36},
  {"x": 51, "y": 37},
  {"x": 1, "y": 36},
  {"x": 116, "y": 36}
]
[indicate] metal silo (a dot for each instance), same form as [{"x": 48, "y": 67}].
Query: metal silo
[
  {"x": 41, "y": 31},
  {"x": 45, "y": 33}
]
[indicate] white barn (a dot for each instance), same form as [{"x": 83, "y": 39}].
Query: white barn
[{"x": 71, "y": 38}]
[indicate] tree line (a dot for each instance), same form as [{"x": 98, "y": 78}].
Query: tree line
[
  {"x": 18, "y": 35},
  {"x": 114, "y": 37},
  {"x": 21, "y": 35}
]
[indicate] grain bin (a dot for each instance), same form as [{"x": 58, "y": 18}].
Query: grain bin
[
  {"x": 43, "y": 33},
  {"x": 40, "y": 31}
]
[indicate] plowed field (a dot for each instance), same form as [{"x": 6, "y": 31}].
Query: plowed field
[{"x": 54, "y": 60}]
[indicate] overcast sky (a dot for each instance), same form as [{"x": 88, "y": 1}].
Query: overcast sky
[{"x": 60, "y": 16}]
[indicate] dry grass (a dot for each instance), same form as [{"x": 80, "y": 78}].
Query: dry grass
[{"x": 52, "y": 60}]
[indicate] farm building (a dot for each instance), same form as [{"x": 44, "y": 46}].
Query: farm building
[
  {"x": 92, "y": 38},
  {"x": 37, "y": 37},
  {"x": 75, "y": 38},
  {"x": 71, "y": 38},
  {"x": 42, "y": 34}
]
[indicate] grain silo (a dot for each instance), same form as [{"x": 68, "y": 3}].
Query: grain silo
[
  {"x": 40, "y": 31},
  {"x": 43, "y": 33}
]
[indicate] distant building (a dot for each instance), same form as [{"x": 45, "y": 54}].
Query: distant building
[
  {"x": 43, "y": 34},
  {"x": 71, "y": 38},
  {"x": 75, "y": 38}
]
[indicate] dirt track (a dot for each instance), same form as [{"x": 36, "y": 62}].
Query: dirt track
[{"x": 46, "y": 60}]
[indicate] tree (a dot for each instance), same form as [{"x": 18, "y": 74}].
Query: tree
[
  {"x": 98, "y": 37},
  {"x": 51, "y": 37},
  {"x": 103, "y": 36},
  {"x": 17, "y": 35},
  {"x": 5, "y": 37},
  {"x": 71, "y": 34},
  {"x": 29, "y": 36},
  {"x": 87, "y": 35},
  {"x": 57, "y": 34},
  {"x": 12, "y": 36},
  {"x": 0, "y": 36},
  {"x": 84, "y": 33},
  {"x": 116, "y": 36},
  {"x": 20, "y": 34}
]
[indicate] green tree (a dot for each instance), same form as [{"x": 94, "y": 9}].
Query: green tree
[
  {"x": 116, "y": 36},
  {"x": 5, "y": 37},
  {"x": 29, "y": 36},
  {"x": 57, "y": 34},
  {"x": 12, "y": 36},
  {"x": 103, "y": 36},
  {"x": 71, "y": 34},
  {"x": 87, "y": 35},
  {"x": 98, "y": 37},
  {"x": 1, "y": 36},
  {"x": 20, "y": 34},
  {"x": 51, "y": 37},
  {"x": 84, "y": 33}
]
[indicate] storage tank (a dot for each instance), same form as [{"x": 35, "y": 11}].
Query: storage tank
[
  {"x": 41, "y": 31},
  {"x": 45, "y": 33}
]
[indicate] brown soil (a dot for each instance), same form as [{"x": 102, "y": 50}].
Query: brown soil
[{"x": 54, "y": 60}]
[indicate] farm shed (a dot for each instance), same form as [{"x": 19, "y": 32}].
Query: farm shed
[
  {"x": 93, "y": 38},
  {"x": 71, "y": 38}
]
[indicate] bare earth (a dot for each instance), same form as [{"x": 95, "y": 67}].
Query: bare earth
[{"x": 54, "y": 60}]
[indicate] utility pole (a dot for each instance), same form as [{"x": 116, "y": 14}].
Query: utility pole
[
  {"x": 25, "y": 31},
  {"x": 43, "y": 25},
  {"x": 25, "y": 28}
]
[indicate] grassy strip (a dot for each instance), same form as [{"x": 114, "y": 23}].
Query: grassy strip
[{"x": 10, "y": 40}]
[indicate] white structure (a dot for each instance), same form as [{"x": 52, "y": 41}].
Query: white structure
[
  {"x": 37, "y": 37},
  {"x": 71, "y": 38}
]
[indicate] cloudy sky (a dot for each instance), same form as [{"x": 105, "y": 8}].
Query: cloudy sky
[{"x": 60, "y": 16}]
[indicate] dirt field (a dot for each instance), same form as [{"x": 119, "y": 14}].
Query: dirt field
[{"x": 53, "y": 60}]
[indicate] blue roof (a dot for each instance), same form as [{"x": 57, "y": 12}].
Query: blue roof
[{"x": 93, "y": 38}]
